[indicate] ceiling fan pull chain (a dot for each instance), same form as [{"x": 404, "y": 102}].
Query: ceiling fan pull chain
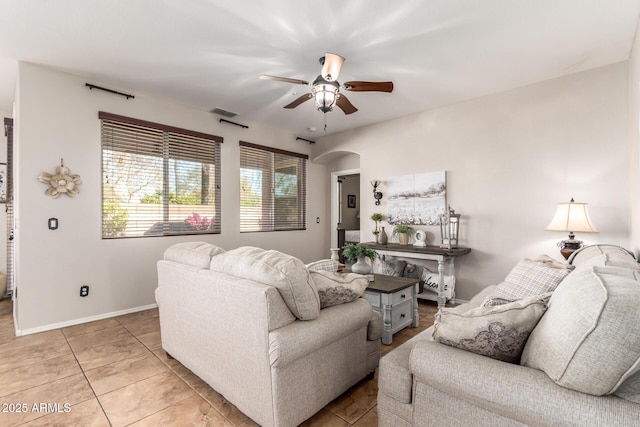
[{"x": 325, "y": 122}]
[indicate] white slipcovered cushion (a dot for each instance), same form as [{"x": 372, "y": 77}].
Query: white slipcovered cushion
[
  {"x": 336, "y": 288},
  {"x": 273, "y": 268},
  {"x": 613, "y": 253},
  {"x": 589, "y": 263},
  {"x": 197, "y": 254},
  {"x": 630, "y": 388},
  {"x": 589, "y": 339}
]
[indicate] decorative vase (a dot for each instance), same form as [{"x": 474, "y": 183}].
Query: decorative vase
[
  {"x": 403, "y": 238},
  {"x": 335, "y": 254},
  {"x": 382, "y": 238},
  {"x": 362, "y": 266},
  {"x": 377, "y": 238}
]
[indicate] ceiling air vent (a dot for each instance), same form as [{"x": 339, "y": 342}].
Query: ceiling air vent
[{"x": 224, "y": 112}]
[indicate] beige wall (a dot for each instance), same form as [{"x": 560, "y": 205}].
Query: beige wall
[
  {"x": 57, "y": 116},
  {"x": 634, "y": 143},
  {"x": 510, "y": 158}
]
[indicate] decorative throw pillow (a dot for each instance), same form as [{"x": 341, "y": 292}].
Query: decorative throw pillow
[
  {"x": 431, "y": 281},
  {"x": 390, "y": 267},
  {"x": 529, "y": 278},
  {"x": 589, "y": 339},
  {"x": 499, "y": 332},
  {"x": 413, "y": 271},
  {"x": 273, "y": 268},
  {"x": 336, "y": 288},
  {"x": 323, "y": 264}
]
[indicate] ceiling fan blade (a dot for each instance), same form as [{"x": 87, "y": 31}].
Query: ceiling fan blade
[
  {"x": 345, "y": 105},
  {"x": 369, "y": 86},
  {"x": 284, "y": 79},
  {"x": 298, "y": 101},
  {"x": 331, "y": 67}
]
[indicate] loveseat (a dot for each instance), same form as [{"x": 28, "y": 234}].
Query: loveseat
[
  {"x": 579, "y": 365},
  {"x": 249, "y": 323}
]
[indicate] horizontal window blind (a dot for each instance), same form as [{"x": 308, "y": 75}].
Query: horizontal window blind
[
  {"x": 272, "y": 189},
  {"x": 158, "y": 181}
]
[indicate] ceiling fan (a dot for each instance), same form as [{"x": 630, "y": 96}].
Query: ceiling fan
[{"x": 325, "y": 89}]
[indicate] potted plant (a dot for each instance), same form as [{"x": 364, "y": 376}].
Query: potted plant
[
  {"x": 403, "y": 232},
  {"x": 376, "y": 218},
  {"x": 359, "y": 252}
]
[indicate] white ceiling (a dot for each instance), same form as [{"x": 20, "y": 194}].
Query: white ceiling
[{"x": 210, "y": 53}]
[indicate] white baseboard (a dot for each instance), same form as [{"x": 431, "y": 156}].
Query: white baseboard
[{"x": 20, "y": 332}]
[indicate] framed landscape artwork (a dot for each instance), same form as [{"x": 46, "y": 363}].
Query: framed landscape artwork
[
  {"x": 417, "y": 199},
  {"x": 351, "y": 201}
]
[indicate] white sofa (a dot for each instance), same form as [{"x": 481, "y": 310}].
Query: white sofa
[
  {"x": 580, "y": 365},
  {"x": 229, "y": 318}
]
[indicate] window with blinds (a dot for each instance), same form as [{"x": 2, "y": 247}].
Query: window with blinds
[
  {"x": 158, "y": 180},
  {"x": 272, "y": 189}
]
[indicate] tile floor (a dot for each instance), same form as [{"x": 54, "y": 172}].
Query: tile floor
[{"x": 113, "y": 372}]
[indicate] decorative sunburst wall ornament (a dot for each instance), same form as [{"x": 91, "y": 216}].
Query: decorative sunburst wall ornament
[{"x": 61, "y": 183}]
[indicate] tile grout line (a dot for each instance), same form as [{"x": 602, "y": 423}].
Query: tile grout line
[
  {"x": 40, "y": 385},
  {"x": 94, "y": 392},
  {"x": 83, "y": 371},
  {"x": 86, "y": 379},
  {"x": 174, "y": 373},
  {"x": 150, "y": 415},
  {"x": 365, "y": 413},
  {"x": 192, "y": 387}
]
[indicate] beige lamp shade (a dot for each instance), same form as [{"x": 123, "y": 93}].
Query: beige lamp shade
[{"x": 573, "y": 217}]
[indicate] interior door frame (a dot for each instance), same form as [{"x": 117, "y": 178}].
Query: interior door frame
[{"x": 334, "y": 202}]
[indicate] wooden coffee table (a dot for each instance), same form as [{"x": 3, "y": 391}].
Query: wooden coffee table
[{"x": 396, "y": 298}]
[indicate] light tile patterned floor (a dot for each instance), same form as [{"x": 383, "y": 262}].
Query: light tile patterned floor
[{"x": 113, "y": 372}]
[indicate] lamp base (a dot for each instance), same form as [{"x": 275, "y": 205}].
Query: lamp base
[{"x": 569, "y": 246}]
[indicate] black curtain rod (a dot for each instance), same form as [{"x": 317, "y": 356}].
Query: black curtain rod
[
  {"x": 126, "y": 95},
  {"x": 234, "y": 123},
  {"x": 307, "y": 140}
]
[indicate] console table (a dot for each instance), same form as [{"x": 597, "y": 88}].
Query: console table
[{"x": 445, "y": 258}]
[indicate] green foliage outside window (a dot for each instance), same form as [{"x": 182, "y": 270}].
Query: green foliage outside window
[{"x": 115, "y": 218}]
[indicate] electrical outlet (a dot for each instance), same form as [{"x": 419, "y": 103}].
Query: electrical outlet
[{"x": 84, "y": 290}]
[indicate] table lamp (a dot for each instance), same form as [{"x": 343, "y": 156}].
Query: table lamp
[{"x": 571, "y": 217}]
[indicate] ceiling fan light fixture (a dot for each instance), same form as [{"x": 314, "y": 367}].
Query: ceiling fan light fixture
[
  {"x": 325, "y": 89},
  {"x": 326, "y": 94},
  {"x": 331, "y": 66}
]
